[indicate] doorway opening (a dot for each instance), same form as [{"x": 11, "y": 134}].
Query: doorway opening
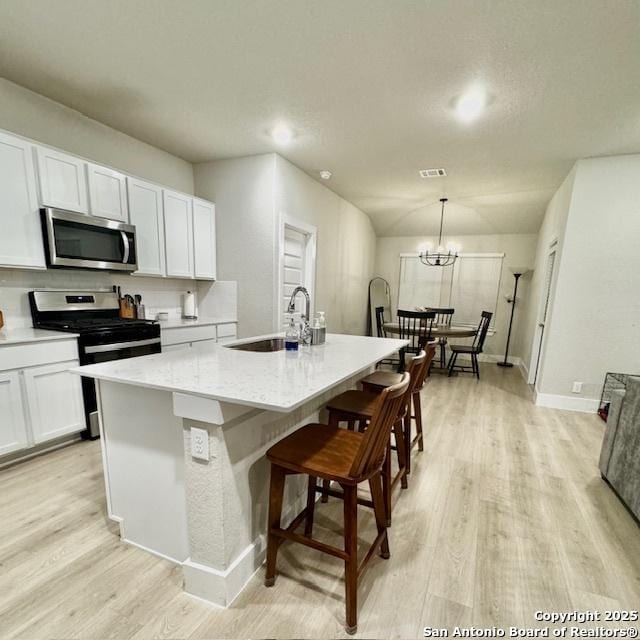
[{"x": 545, "y": 300}]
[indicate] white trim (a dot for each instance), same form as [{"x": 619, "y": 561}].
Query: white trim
[
  {"x": 568, "y": 403},
  {"x": 524, "y": 370},
  {"x": 141, "y": 546},
  {"x": 221, "y": 587},
  {"x": 286, "y": 220}
]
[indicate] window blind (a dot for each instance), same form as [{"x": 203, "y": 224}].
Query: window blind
[{"x": 470, "y": 286}]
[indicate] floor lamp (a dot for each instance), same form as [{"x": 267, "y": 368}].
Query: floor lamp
[{"x": 517, "y": 273}]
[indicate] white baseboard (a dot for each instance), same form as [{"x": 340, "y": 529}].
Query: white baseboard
[
  {"x": 524, "y": 370},
  {"x": 568, "y": 403},
  {"x": 221, "y": 587},
  {"x": 493, "y": 357}
]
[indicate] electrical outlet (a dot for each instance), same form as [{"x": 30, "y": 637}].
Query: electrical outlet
[
  {"x": 199, "y": 444},
  {"x": 577, "y": 387}
]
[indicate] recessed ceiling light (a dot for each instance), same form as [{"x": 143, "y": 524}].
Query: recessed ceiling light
[
  {"x": 471, "y": 104},
  {"x": 282, "y": 134},
  {"x": 325, "y": 175}
]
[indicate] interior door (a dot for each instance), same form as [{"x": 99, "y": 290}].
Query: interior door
[
  {"x": 542, "y": 318},
  {"x": 293, "y": 268}
]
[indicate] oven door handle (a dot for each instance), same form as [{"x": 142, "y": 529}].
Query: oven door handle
[
  {"x": 120, "y": 346},
  {"x": 125, "y": 244}
]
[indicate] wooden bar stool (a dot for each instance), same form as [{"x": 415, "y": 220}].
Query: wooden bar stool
[
  {"x": 380, "y": 380},
  {"x": 356, "y": 409},
  {"x": 349, "y": 458}
]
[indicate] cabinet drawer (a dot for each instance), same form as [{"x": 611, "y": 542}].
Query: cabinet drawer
[
  {"x": 229, "y": 330},
  {"x": 19, "y": 356},
  {"x": 179, "y": 335}
]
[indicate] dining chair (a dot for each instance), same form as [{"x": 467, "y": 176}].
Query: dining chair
[
  {"x": 473, "y": 350},
  {"x": 416, "y": 327},
  {"x": 349, "y": 458},
  {"x": 443, "y": 319},
  {"x": 380, "y": 322}
]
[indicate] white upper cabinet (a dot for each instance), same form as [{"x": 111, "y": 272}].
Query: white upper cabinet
[
  {"x": 21, "y": 236},
  {"x": 204, "y": 239},
  {"x": 107, "y": 193},
  {"x": 145, "y": 212},
  {"x": 178, "y": 233},
  {"x": 13, "y": 429},
  {"x": 63, "y": 180}
]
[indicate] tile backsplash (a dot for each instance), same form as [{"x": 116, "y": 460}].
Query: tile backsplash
[{"x": 158, "y": 294}]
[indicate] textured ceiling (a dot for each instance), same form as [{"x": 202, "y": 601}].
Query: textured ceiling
[{"x": 367, "y": 85}]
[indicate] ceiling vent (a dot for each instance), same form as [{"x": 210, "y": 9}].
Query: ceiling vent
[{"x": 433, "y": 173}]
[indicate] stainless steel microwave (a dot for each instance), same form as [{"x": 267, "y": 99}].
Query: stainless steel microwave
[{"x": 76, "y": 240}]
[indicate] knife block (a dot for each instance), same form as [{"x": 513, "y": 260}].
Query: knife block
[{"x": 127, "y": 310}]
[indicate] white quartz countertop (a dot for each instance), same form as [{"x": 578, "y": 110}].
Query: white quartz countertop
[
  {"x": 29, "y": 334},
  {"x": 177, "y": 323},
  {"x": 277, "y": 381}
]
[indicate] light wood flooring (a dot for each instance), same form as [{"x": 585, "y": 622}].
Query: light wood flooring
[{"x": 505, "y": 514}]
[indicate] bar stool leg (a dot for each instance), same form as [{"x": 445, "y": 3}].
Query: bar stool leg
[
  {"x": 351, "y": 563},
  {"x": 375, "y": 485},
  {"x": 417, "y": 414},
  {"x": 406, "y": 425},
  {"x": 276, "y": 491},
  {"x": 386, "y": 484},
  {"x": 401, "y": 450},
  {"x": 311, "y": 506}
]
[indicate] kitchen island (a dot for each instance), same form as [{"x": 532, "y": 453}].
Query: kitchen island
[{"x": 183, "y": 437}]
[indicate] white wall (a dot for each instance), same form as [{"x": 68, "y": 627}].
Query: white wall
[
  {"x": 551, "y": 233},
  {"x": 519, "y": 250},
  {"x": 244, "y": 192},
  {"x": 250, "y": 195},
  {"x": 595, "y": 325},
  {"x": 345, "y": 250},
  {"x": 34, "y": 116}
]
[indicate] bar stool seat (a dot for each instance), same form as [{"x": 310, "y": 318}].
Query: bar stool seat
[
  {"x": 319, "y": 450},
  {"x": 359, "y": 404},
  {"x": 381, "y": 379}
]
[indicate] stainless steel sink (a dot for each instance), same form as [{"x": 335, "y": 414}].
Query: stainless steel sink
[{"x": 270, "y": 344}]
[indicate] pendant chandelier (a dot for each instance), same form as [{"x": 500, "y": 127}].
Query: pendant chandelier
[{"x": 439, "y": 257}]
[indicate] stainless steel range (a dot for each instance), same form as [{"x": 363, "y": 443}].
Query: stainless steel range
[{"x": 103, "y": 334}]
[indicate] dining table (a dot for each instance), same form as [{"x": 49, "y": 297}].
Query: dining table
[{"x": 437, "y": 331}]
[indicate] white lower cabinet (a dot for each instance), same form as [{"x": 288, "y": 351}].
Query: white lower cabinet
[
  {"x": 54, "y": 399},
  {"x": 13, "y": 427}
]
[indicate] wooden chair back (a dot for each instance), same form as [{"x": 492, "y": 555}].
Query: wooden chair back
[
  {"x": 430, "y": 353},
  {"x": 443, "y": 315},
  {"x": 483, "y": 329},
  {"x": 374, "y": 442},
  {"x": 380, "y": 322},
  {"x": 416, "y": 327}
]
